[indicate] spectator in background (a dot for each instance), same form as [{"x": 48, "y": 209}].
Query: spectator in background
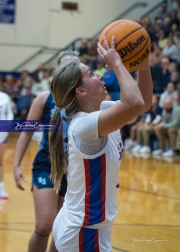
[
  {"x": 174, "y": 77},
  {"x": 91, "y": 57},
  {"x": 162, "y": 40},
  {"x": 92, "y": 50},
  {"x": 44, "y": 84},
  {"x": 171, "y": 51},
  {"x": 176, "y": 100},
  {"x": 158, "y": 25},
  {"x": 27, "y": 82},
  {"x": 167, "y": 129},
  {"x": 112, "y": 85},
  {"x": 24, "y": 75},
  {"x": 160, "y": 76},
  {"x": 172, "y": 67},
  {"x": 163, "y": 13},
  {"x": 100, "y": 69},
  {"x": 83, "y": 49},
  {"x": 167, "y": 26},
  {"x": 176, "y": 38},
  {"x": 39, "y": 75},
  {"x": 144, "y": 131},
  {"x": 174, "y": 18},
  {"x": 155, "y": 56},
  {"x": 147, "y": 24},
  {"x": 8, "y": 85},
  {"x": 170, "y": 92},
  {"x": 23, "y": 103},
  {"x": 129, "y": 132}
]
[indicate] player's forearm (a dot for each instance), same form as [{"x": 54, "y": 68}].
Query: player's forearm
[
  {"x": 130, "y": 93},
  {"x": 21, "y": 147}
]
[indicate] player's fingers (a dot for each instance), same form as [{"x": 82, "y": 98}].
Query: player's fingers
[
  {"x": 101, "y": 49},
  {"x": 113, "y": 42},
  {"x": 23, "y": 177},
  {"x": 18, "y": 184},
  {"x": 100, "y": 53},
  {"x": 105, "y": 42}
]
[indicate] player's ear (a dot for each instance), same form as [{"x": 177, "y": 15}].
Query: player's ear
[{"x": 81, "y": 91}]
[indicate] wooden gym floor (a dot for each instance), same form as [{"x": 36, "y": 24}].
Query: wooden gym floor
[{"x": 148, "y": 201}]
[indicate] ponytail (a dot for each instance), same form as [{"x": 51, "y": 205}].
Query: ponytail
[{"x": 56, "y": 149}]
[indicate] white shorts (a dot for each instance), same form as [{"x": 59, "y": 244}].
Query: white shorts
[{"x": 80, "y": 239}]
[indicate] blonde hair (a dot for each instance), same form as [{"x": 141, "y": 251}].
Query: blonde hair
[{"x": 66, "y": 78}]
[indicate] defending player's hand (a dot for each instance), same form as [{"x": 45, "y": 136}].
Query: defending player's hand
[
  {"x": 18, "y": 176},
  {"x": 109, "y": 54}
]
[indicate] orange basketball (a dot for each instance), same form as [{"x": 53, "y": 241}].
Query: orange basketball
[{"x": 132, "y": 42}]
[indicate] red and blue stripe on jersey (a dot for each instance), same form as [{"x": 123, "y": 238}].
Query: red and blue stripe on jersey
[
  {"x": 95, "y": 178},
  {"x": 88, "y": 240}
]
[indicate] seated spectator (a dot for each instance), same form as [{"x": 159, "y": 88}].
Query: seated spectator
[
  {"x": 167, "y": 129},
  {"x": 167, "y": 26},
  {"x": 174, "y": 18},
  {"x": 100, "y": 69},
  {"x": 155, "y": 56},
  {"x": 176, "y": 100},
  {"x": 158, "y": 25},
  {"x": 170, "y": 92},
  {"x": 44, "y": 84},
  {"x": 171, "y": 51},
  {"x": 92, "y": 53},
  {"x": 129, "y": 132},
  {"x": 147, "y": 24},
  {"x": 83, "y": 49},
  {"x": 160, "y": 76},
  {"x": 162, "y": 40},
  {"x": 172, "y": 67},
  {"x": 38, "y": 76},
  {"x": 174, "y": 78},
  {"x": 8, "y": 85},
  {"x": 24, "y": 75},
  {"x": 111, "y": 84},
  {"x": 27, "y": 82},
  {"x": 176, "y": 38},
  {"x": 23, "y": 104},
  {"x": 153, "y": 117},
  {"x": 163, "y": 13}
]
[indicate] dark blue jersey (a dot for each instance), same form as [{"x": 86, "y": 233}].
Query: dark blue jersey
[{"x": 42, "y": 159}]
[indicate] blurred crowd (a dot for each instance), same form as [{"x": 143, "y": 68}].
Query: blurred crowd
[{"x": 157, "y": 131}]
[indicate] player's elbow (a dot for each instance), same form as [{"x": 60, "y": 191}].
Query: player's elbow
[{"x": 138, "y": 106}]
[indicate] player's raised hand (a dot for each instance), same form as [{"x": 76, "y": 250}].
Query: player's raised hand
[{"x": 109, "y": 54}]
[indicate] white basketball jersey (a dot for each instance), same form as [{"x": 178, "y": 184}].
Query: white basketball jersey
[
  {"x": 5, "y": 112},
  {"x": 93, "y": 182}
]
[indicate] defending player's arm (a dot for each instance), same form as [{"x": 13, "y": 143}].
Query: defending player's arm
[{"x": 35, "y": 113}]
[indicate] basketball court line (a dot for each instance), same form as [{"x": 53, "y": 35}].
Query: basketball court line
[
  {"x": 118, "y": 249},
  {"x": 151, "y": 193},
  {"x": 146, "y": 225}
]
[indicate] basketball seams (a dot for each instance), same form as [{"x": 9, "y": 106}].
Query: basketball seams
[
  {"x": 114, "y": 26},
  {"x": 129, "y": 35},
  {"x": 122, "y": 21},
  {"x": 137, "y": 52}
]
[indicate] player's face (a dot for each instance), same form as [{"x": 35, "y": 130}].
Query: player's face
[{"x": 93, "y": 83}]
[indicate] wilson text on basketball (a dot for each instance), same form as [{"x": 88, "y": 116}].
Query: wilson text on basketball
[{"x": 131, "y": 46}]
